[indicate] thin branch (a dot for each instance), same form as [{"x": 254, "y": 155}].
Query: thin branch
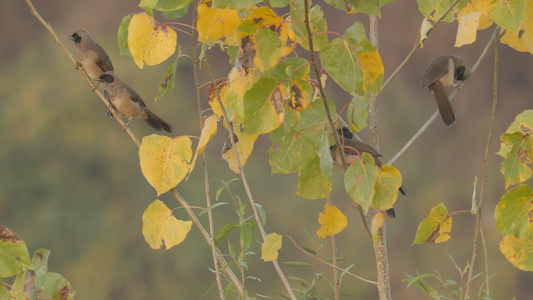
[
  {"x": 319, "y": 83},
  {"x": 485, "y": 162},
  {"x": 418, "y": 45},
  {"x": 436, "y": 114},
  {"x": 257, "y": 217},
  {"x": 206, "y": 173}
]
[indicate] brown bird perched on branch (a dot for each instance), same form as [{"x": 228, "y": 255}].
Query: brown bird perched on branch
[
  {"x": 128, "y": 102},
  {"x": 91, "y": 55},
  {"x": 447, "y": 70},
  {"x": 352, "y": 148}
]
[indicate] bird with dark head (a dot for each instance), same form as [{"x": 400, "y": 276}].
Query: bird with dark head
[
  {"x": 353, "y": 148},
  {"x": 447, "y": 70},
  {"x": 91, "y": 56},
  {"x": 128, "y": 102}
]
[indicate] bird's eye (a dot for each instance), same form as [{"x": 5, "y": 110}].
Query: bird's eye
[{"x": 460, "y": 73}]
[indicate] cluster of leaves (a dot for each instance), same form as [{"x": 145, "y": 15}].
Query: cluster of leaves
[
  {"x": 514, "y": 213},
  {"x": 32, "y": 279},
  {"x": 269, "y": 92}
]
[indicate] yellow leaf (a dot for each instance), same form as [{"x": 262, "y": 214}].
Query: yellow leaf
[
  {"x": 161, "y": 229},
  {"x": 332, "y": 220},
  {"x": 435, "y": 228},
  {"x": 269, "y": 249},
  {"x": 215, "y": 24},
  {"x": 377, "y": 223},
  {"x": 521, "y": 40},
  {"x": 209, "y": 130},
  {"x": 484, "y": 20},
  {"x": 244, "y": 143},
  {"x": 149, "y": 41},
  {"x": 222, "y": 88},
  {"x": 468, "y": 25},
  {"x": 165, "y": 161},
  {"x": 424, "y": 28}
]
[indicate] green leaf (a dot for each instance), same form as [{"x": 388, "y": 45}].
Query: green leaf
[
  {"x": 234, "y": 4},
  {"x": 326, "y": 161},
  {"x": 360, "y": 179},
  {"x": 313, "y": 120},
  {"x": 312, "y": 183},
  {"x": 435, "y": 228},
  {"x": 176, "y": 14},
  {"x": 341, "y": 64},
  {"x": 268, "y": 44},
  {"x": 434, "y": 9},
  {"x": 513, "y": 212},
  {"x": 40, "y": 265},
  {"x": 260, "y": 114},
  {"x": 317, "y": 24},
  {"x": 368, "y": 7},
  {"x": 14, "y": 259},
  {"x": 164, "y": 5},
  {"x": 509, "y": 14},
  {"x": 290, "y": 152},
  {"x": 123, "y": 36},
  {"x": 170, "y": 76},
  {"x": 224, "y": 231},
  {"x": 55, "y": 285},
  {"x": 357, "y": 112}
]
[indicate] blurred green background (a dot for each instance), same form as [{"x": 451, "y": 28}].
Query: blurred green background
[{"x": 70, "y": 179}]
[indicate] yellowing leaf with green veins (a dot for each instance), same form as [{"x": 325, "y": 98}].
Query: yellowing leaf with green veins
[
  {"x": 360, "y": 181},
  {"x": 521, "y": 39},
  {"x": 332, "y": 221},
  {"x": 164, "y": 160},
  {"x": 244, "y": 143},
  {"x": 216, "y": 25},
  {"x": 209, "y": 129},
  {"x": 161, "y": 229},
  {"x": 387, "y": 185},
  {"x": 377, "y": 223},
  {"x": 149, "y": 41},
  {"x": 519, "y": 252},
  {"x": 435, "y": 228},
  {"x": 238, "y": 84},
  {"x": 312, "y": 183},
  {"x": 467, "y": 31},
  {"x": 514, "y": 211},
  {"x": 270, "y": 247},
  {"x": 371, "y": 65},
  {"x": 357, "y": 112}
]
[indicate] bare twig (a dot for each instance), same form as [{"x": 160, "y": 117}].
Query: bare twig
[{"x": 485, "y": 161}]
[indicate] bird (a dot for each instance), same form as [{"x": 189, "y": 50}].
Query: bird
[
  {"x": 352, "y": 149},
  {"x": 128, "y": 102},
  {"x": 447, "y": 70},
  {"x": 90, "y": 55}
]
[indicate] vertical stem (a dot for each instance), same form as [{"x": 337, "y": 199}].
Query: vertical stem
[
  {"x": 487, "y": 149},
  {"x": 380, "y": 249},
  {"x": 206, "y": 173}
]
